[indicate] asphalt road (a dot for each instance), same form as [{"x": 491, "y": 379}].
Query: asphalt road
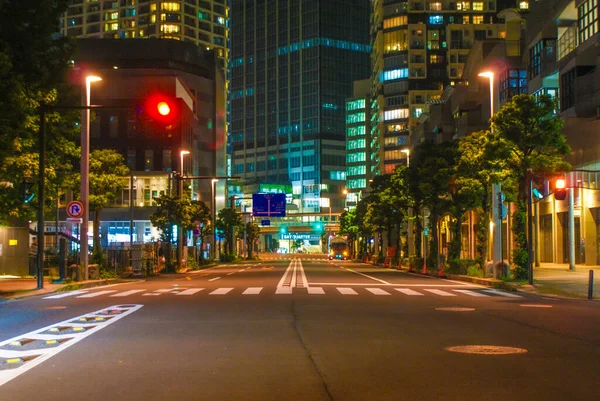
[{"x": 298, "y": 329}]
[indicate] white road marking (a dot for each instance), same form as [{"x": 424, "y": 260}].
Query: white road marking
[
  {"x": 502, "y": 293},
  {"x": 213, "y": 279},
  {"x": 241, "y": 270},
  {"x": 303, "y": 282},
  {"x": 399, "y": 285},
  {"x": 377, "y": 291},
  {"x": 471, "y": 293},
  {"x": 408, "y": 291},
  {"x": 164, "y": 290},
  {"x": 440, "y": 292},
  {"x": 347, "y": 291},
  {"x": 229, "y": 274},
  {"x": 535, "y": 306},
  {"x": 151, "y": 294},
  {"x": 96, "y": 294},
  {"x": 367, "y": 276},
  {"x": 42, "y": 354},
  {"x": 190, "y": 291},
  {"x": 221, "y": 291},
  {"x": 127, "y": 293},
  {"x": 252, "y": 291},
  {"x": 66, "y": 294},
  {"x": 283, "y": 290},
  {"x": 315, "y": 290}
]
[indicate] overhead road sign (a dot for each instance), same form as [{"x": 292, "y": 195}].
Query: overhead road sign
[{"x": 269, "y": 205}]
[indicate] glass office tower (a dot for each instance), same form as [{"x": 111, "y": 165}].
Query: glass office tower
[{"x": 292, "y": 67}]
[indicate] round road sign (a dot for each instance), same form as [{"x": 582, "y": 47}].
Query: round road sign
[{"x": 75, "y": 209}]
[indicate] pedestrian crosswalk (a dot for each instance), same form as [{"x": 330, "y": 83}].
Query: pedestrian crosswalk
[{"x": 329, "y": 290}]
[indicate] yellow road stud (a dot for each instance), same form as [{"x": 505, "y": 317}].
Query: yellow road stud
[{"x": 14, "y": 360}]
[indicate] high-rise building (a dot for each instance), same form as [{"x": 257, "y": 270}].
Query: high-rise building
[
  {"x": 419, "y": 48},
  {"x": 203, "y": 22},
  {"x": 292, "y": 68}
]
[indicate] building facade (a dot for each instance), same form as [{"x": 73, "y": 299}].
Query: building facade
[
  {"x": 292, "y": 68},
  {"x": 420, "y": 47},
  {"x": 131, "y": 71},
  {"x": 202, "y": 22}
]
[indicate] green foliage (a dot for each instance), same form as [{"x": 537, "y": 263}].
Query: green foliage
[
  {"x": 474, "y": 271},
  {"x": 252, "y": 231},
  {"x": 462, "y": 266},
  {"x": 227, "y": 221},
  {"x": 33, "y": 65}
]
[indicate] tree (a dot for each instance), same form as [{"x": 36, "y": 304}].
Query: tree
[
  {"x": 199, "y": 218},
  {"x": 535, "y": 141},
  {"x": 483, "y": 159},
  {"x": 33, "y": 66},
  {"x": 107, "y": 169},
  {"x": 227, "y": 221},
  {"x": 349, "y": 228},
  {"x": 252, "y": 231}
]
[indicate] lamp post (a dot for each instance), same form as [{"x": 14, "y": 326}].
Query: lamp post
[
  {"x": 214, "y": 217},
  {"x": 180, "y": 233},
  {"x": 85, "y": 169},
  {"x": 407, "y": 151},
  {"x": 496, "y": 188}
]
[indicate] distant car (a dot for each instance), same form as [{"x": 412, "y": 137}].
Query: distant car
[{"x": 338, "y": 254}]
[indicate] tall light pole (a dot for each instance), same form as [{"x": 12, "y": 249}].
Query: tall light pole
[
  {"x": 496, "y": 188},
  {"x": 85, "y": 170},
  {"x": 214, "y": 217},
  {"x": 181, "y": 235},
  {"x": 407, "y": 151}
]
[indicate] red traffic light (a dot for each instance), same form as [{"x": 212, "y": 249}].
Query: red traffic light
[
  {"x": 560, "y": 192},
  {"x": 161, "y": 109}
]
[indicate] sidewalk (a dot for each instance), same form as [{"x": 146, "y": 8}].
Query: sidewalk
[{"x": 15, "y": 288}]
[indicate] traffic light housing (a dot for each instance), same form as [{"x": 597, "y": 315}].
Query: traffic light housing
[
  {"x": 560, "y": 192},
  {"x": 162, "y": 110}
]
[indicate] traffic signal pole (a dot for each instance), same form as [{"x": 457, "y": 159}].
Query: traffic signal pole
[
  {"x": 571, "y": 217},
  {"x": 529, "y": 178}
]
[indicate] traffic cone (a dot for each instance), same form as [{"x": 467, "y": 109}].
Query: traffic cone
[
  {"x": 441, "y": 271},
  {"x": 410, "y": 266},
  {"x": 400, "y": 264},
  {"x": 424, "y": 271}
]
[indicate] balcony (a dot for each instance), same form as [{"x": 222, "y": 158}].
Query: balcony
[{"x": 567, "y": 42}]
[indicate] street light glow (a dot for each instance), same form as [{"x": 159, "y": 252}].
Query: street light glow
[{"x": 163, "y": 109}]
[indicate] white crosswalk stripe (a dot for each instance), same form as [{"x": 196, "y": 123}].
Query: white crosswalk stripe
[
  {"x": 126, "y": 293},
  {"x": 284, "y": 290},
  {"x": 440, "y": 292},
  {"x": 377, "y": 291},
  {"x": 472, "y": 293},
  {"x": 221, "y": 291},
  {"x": 502, "y": 293},
  {"x": 252, "y": 291},
  {"x": 65, "y": 294},
  {"x": 408, "y": 291},
  {"x": 190, "y": 291},
  {"x": 96, "y": 294}
]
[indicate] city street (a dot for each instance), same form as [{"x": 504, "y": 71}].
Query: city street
[{"x": 298, "y": 327}]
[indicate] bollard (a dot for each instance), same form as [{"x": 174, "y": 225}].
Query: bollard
[{"x": 591, "y": 285}]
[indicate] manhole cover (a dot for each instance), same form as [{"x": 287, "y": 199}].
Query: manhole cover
[
  {"x": 536, "y": 306},
  {"x": 455, "y": 309},
  {"x": 486, "y": 350}
]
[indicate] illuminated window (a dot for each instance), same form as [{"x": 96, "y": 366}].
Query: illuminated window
[
  {"x": 437, "y": 6},
  {"x": 395, "y": 114},
  {"x": 111, "y": 27},
  {"x": 152, "y": 7},
  {"x": 356, "y": 144},
  {"x": 436, "y": 58},
  {"x": 356, "y": 157},
  {"x": 478, "y": 19},
  {"x": 417, "y": 112},
  {"x": 477, "y": 6},
  {"x": 524, "y": 5},
  {"x": 394, "y": 22},
  {"x": 436, "y": 19},
  {"x": 395, "y": 74},
  {"x": 169, "y": 28},
  {"x": 356, "y": 170},
  {"x": 153, "y": 19},
  {"x": 466, "y": 19},
  {"x": 355, "y": 131},
  {"x": 587, "y": 18},
  {"x": 355, "y": 118},
  {"x": 355, "y": 104},
  {"x": 167, "y": 6},
  {"x": 395, "y": 41},
  {"x": 392, "y": 128}
]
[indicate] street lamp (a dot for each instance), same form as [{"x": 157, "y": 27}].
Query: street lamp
[
  {"x": 85, "y": 169},
  {"x": 407, "y": 151},
  {"x": 214, "y": 217},
  {"x": 490, "y": 76},
  {"x": 181, "y": 235}
]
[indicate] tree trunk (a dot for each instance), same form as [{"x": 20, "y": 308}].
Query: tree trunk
[{"x": 97, "y": 251}]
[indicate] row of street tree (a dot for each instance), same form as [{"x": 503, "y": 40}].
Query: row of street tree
[{"x": 455, "y": 177}]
